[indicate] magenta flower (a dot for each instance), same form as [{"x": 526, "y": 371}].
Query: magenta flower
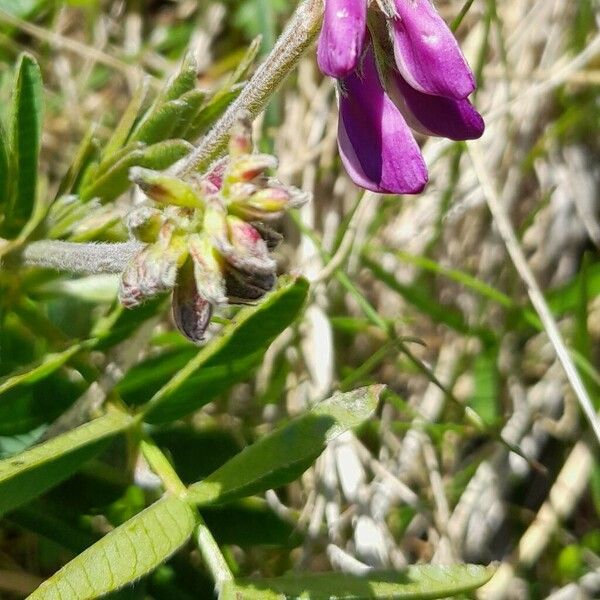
[
  {"x": 376, "y": 145},
  {"x": 427, "y": 54},
  {"x": 415, "y": 79},
  {"x": 342, "y": 37}
]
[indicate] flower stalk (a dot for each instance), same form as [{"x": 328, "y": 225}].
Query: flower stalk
[{"x": 301, "y": 31}]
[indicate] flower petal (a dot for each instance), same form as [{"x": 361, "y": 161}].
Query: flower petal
[
  {"x": 426, "y": 51},
  {"x": 435, "y": 115},
  {"x": 376, "y": 145},
  {"x": 342, "y": 36},
  {"x": 191, "y": 311}
]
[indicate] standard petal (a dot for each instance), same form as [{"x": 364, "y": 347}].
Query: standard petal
[
  {"x": 435, "y": 115},
  {"x": 426, "y": 51},
  {"x": 376, "y": 145},
  {"x": 342, "y": 37}
]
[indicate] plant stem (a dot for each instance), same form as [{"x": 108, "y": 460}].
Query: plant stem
[
  {"x": 207, "y": 545},
  {"x": 297, "y": 37},
  {"x": 211, "y": 554},
  {"x": 162, "y": 467},
  {"x": 75, "y": 257}
]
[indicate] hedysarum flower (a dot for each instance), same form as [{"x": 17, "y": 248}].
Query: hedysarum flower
[
  {"x": 208, "y": 243},
  {"x": 342, "y": 37},
  {"x": 376, "y": 145},
  {"x": 409, "y": 74}
]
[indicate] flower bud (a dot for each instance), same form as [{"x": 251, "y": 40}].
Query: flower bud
[
  {"x": 165, "y": 189},
  {"x": 144, "y": 223},
  {"x": 191, "y": 311},
  {"x": 240, "y": 142},
  {"x": 268, "y": 203},
  {"x": 248, "y": 167},
  {"x": 246, "y": 250},
  {"x": 244, "y": 287},
  {"x": 151, "y": 272},
  {"x": 207, "y": 269}
]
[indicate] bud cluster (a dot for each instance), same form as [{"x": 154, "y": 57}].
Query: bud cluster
[{"x": 205, "y": 235}]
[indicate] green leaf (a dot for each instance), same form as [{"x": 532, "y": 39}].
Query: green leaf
[
  {"x": 193, "y": 100},
  {"x": 161, "y": 124},
  {"x": 416, "y": 582},
  {"x": 231, "y": 355},
  {"x": 486, "y": 385},
  {"x": 30, "y": 473},
  {"x": 4, "y": 170},
  {"x": 283, "y": 455},
  {"x": 114, "y": 181},
  {"x": 123, "y": 128},
  {"x": 124, "y": 555},
  {"x": 47, "y": 366},
  {"x": 213, "y": 109},
  {"x": 26, "y": 135}
]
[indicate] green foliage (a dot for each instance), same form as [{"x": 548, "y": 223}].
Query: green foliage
[
  {"x": 124, "y": 555},
  {"x": 228, "y": 359},
  {"x": 282, "y": 456},
  {"x": 23, "y": 148},
  {"x": 415, "y": 583},
  {"x": 174, "y": 470},
  {"x": 29, "y": 474}
]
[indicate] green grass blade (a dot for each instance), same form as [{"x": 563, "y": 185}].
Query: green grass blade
[
  {"x": 26, "y": 135},
  {"x": 282, "y": 456},
  {"x": 418, "y": 582},
  {"x": 4, "y": 170},
  {"x": 30, "y": 473},
  {"x": 124, "y": 555}
]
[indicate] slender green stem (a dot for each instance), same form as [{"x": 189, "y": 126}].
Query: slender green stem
[
  {"x": 160, "y": 464},
  {"x": 297, "y": 37},
  {"x": 209, "y": 549},
  {"x": 211, "y": 554}
]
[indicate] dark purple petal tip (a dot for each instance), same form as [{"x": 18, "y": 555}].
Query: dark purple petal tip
[{"x": 435, "y": 115}]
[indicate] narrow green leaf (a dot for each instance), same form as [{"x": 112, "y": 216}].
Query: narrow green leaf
[
  {"x": 247, "y": 61},
  {"x": 114, "y": 181},
  {"x": 418, "y": 582},
  {"x": 183, "y": 82},
  {"x": 124, "y": 555},
  {"x": 84, "y": 155},
  {"x": 230, "y": 354},
  {"x": 26, "y": 135},
  {"x": 213, "y": 109},
  {"x": 4, "y": 170},
  {"x": 194, "y": 101},
  {"x": 123, "y": 128},
  {"x": 161, "y": 124},
  {"x": 30, "y": 473},
  {"x": 282, "y": 456},
  {"x": 32, "y": 374}
]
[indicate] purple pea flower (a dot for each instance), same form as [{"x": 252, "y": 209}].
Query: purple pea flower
[
  {"x": 342, "y": 37},
  {"x": 417, "y": 79},
  {"x": 376, "y": 145},
  {"x": 427, "y": 54}
]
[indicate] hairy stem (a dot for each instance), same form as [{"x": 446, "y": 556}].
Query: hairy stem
[
  {"x": 75, "y": 257},
  {"x": 297, "y": 37}
]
